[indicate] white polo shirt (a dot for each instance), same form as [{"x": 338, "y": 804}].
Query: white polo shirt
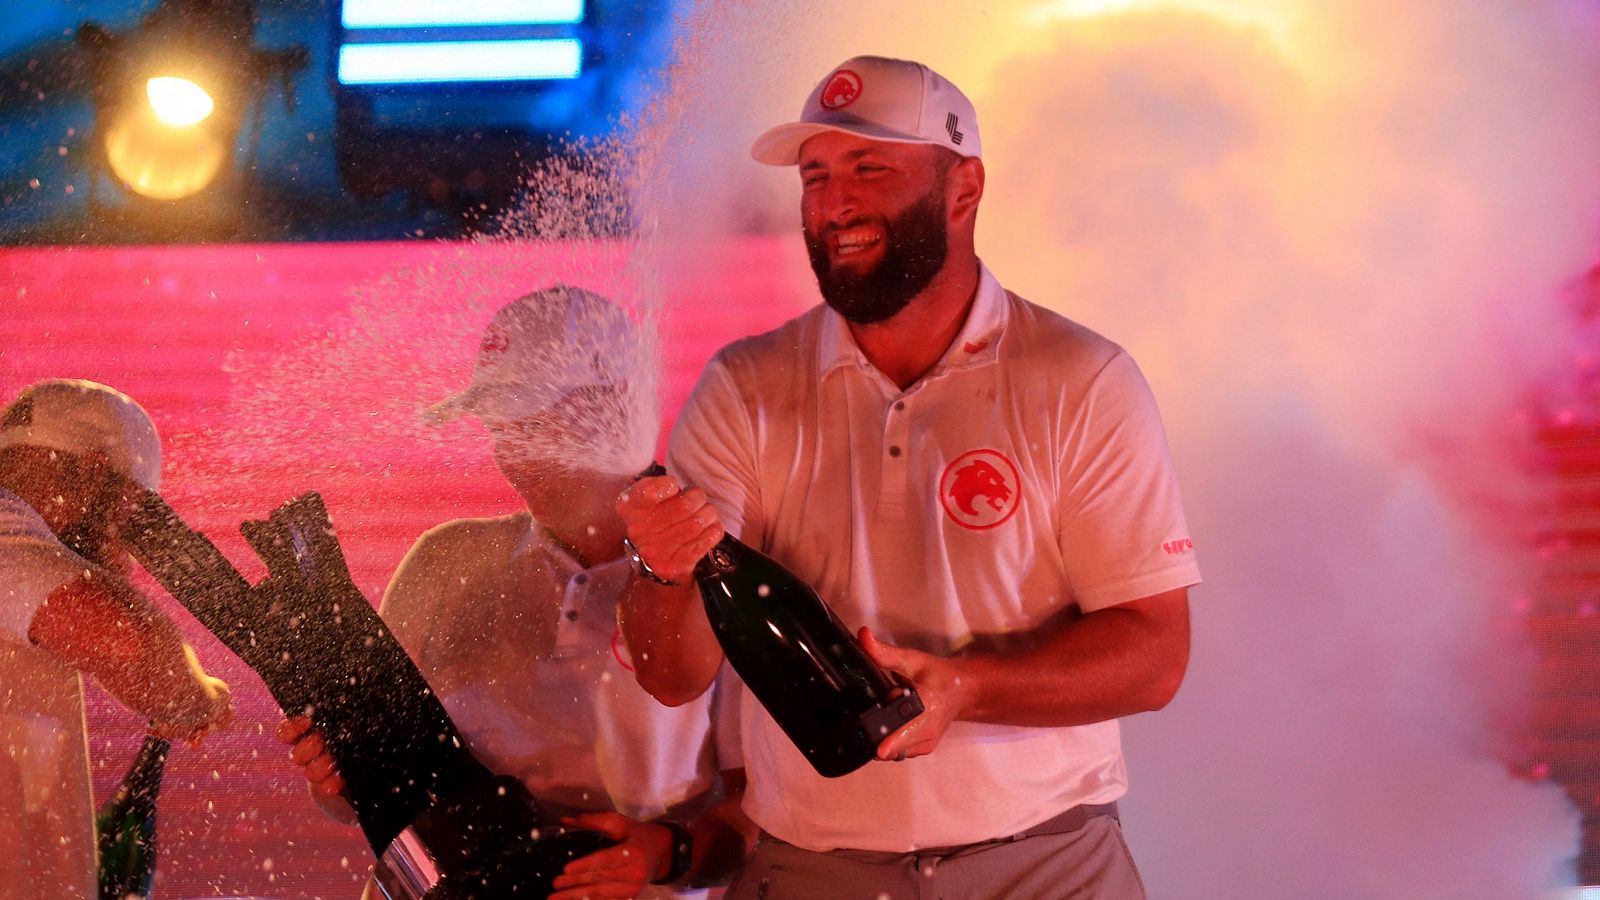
[
  {"x": 1025, "y": 477},
  {"x": 46, "y": 812},
  {"x": 521, "y": 644}
]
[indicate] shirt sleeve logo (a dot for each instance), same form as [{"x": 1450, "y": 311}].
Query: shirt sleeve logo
[{"x": 979, "y": 489}]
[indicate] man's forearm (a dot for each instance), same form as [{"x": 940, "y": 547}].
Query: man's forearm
[
  {"x": 675, "y": 654},
  {"x": 1113, "y": 662},
  {"x": 105, "y": 627}
]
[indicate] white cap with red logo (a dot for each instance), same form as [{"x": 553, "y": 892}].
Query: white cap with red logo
[
  {"x": 883, "y": 99},
  {"x": 538, "y": 349},
  {"x": 86, "y": 418}
]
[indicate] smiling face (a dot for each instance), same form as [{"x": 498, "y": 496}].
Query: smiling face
[{"x": 875, "y": 219}]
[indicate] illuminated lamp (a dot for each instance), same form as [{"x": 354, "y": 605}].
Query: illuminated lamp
[
  {"x": 167, "y": 148},
  {"x": 170, "y": 97}
]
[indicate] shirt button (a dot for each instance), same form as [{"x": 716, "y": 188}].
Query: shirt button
[
  {"x": 899, "y": 404},
  {"x": 894, "y": 451},
  {"x": 581, "y": 578},
  {"x": 572, "y": 615}
]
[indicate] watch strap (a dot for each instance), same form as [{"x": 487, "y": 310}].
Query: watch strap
[
  {"x": 682, "y": 852},
  {"x": 642, "y": 568}
]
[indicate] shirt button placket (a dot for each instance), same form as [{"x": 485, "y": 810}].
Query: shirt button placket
[
  {"x": 571, "y": 600},
  {"x": 896, "y": 434}
]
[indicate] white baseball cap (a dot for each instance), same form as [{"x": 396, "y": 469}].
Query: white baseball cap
[
  {"x": 883, "y": 99},
  {"x": 82, "y": 418},
  {"x": 539, "y": 348}
]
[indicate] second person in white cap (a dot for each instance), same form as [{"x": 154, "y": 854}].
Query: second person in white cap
[
  {"x": 980, "y": 485},
  {"x": 512, "y": 619}
]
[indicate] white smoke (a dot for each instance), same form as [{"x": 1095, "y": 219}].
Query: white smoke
[{"x": 1334, "y": 236}]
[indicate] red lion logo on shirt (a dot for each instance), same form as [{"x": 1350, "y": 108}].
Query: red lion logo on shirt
[
  {"x": 979, "y": 479},
  {"x": 979, "y": 489}
]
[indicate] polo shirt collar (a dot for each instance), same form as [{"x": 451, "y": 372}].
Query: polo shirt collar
[{"x": 976, "y": 343}]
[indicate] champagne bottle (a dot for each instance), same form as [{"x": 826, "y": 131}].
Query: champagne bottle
[
  {"x": 798, "y": 659},
  {"x": 125, "y": 826}
]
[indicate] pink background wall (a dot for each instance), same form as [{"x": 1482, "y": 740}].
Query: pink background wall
[{"x": 275, "y": 369}]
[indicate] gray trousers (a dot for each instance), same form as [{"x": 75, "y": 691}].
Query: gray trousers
[{"x": 1090, "y": 862}]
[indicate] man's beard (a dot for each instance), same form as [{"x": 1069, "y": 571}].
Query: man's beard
[{"x": 915, "y": 245}]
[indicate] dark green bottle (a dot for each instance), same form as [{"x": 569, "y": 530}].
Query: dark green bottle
[
  {"x": 125, "y": 826},
  {"x": 798, "y": 659}
]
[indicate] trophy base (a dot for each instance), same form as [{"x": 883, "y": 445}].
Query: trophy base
[
  {"x": 407, "y": 871},
  {"x": 488, "y": 844}
]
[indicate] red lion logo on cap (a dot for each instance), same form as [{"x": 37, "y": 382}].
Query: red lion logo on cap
[
  {"x": 495, "y": 340},
  {"x": 842, "y": 90},
  {"x": 979, "y": 489}
]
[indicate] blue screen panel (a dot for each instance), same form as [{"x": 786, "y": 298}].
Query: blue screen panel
[
  {"x": 449, "y": 13},
  {"x": 446, "y": 61}
]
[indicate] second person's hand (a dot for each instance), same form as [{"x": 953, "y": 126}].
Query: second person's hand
[
  {"x": 642, "y": 853},
  {"x": 311, "y": 755}
]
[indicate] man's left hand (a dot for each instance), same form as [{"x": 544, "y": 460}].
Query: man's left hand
[
  {"x": 939, "y": 685},
  {"x": 642, "y": 854}
]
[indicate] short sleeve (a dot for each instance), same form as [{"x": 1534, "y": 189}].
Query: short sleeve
[
  {"x": 33, "y": 563},
  {"x": 410, "y": 605},
  {"x": 1121, "y": 523},
  {"x": 712, "y": 447}
]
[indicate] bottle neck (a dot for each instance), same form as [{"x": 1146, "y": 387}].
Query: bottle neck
[
  {"x": 720, "y": 559},
  {"x": 151, "y": 763},
  {"x": 139, "y": 787}
]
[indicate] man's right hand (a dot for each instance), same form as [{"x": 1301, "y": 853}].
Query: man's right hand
[
  {"x": 311, "y": 755},
  {"x": 674, "y": 651},
  {"x": 671, "y": 526},
  {"x": 210, "y": 707}
]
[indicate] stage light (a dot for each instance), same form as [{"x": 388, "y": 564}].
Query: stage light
[
  {"x": 167, "y": 144},
  {"x": 179, "y": 101},
  {"x": 176, "y": 99},
  {"x": 165, "y": 149},
  {"x": 163, "y": 161}
]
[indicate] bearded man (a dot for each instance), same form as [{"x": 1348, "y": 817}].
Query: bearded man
[{"x": 980, "y": 485}]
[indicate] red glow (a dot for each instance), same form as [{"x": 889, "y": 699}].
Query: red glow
[{"x": 169, "y": 327}]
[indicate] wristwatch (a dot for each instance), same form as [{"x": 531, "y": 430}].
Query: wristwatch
[
  {"x": 642, "y": 568},
  {"x": 682, "y": 852}
]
